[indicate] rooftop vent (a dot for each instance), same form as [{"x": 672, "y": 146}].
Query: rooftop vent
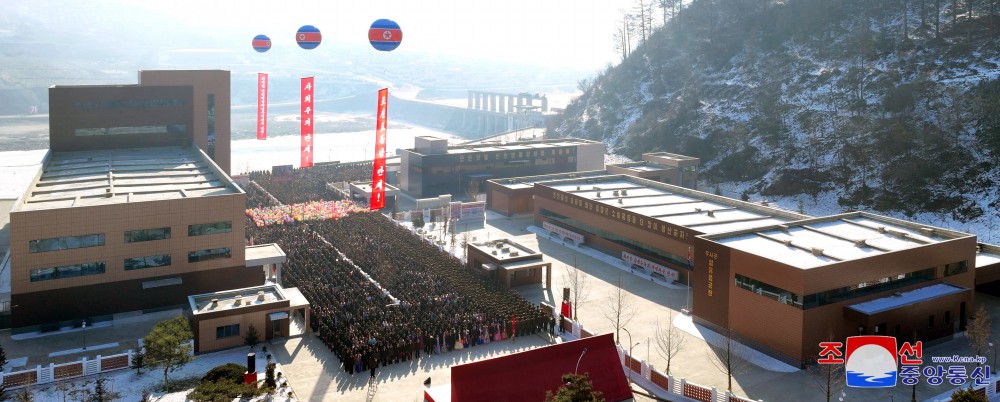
[
  {"x": 696, "y": 209},
  {"x": 624, "y": 192},
  {"x": 260, "y": 296},
  {"x": 215, "y": 303},
  {"x": 578, "y": 188},
  {"x": 620, "y": 200},
  {"x": 861, "y": 243},
  {"x": 238, "y": 299},
  {"x": 514, "y": 253},
  {"x": 881, "y": 229},
  {"x": 929, "y": 232},
  {"x": 764, "y": 203},
  {"x": 494, "y": 252},
  {"x": 784, "y": 228},
  {"x": 615, "y": 193},
  {"x": 788, "y": 243},
  {"x": 598, "y": 194},
  {"x": 711, "y": 213},
  {"x": 817, "y": 251}
]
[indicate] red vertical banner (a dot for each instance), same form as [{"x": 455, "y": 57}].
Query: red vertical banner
[
  {"x": 377, "y": 200},
  {"x": 261, "y": 106},
  {"x": 308, "y": 112}
]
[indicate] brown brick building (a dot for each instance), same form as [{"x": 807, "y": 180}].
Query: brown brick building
[
  {"x": 128, "y": 212},
  {"x": 222, "y": 319},
  {"x": 508, "y": 263},
  {"x": 784, "y": 288},
  {"x": 647, "y": 223}
]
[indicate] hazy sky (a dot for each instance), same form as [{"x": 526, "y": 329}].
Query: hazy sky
[{"x": 575, "y": 33}]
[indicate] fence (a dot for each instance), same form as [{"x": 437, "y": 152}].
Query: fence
[
  {"x": 57, "y": 372},
  {"x": 666, "y": 385}
]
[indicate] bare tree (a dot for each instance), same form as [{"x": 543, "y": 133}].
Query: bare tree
[
  {"x": 669, "y": 340},
  {"x": 623, "y": 36},
  {"x": 729, "y": 357},
  {"x": 829, "y": 377},
  {"x": 978, "y": 330},
  {"x": 473, "y": 190},
  {"x": 579, "y": 291},
  {"x": 620, "y": 309}
]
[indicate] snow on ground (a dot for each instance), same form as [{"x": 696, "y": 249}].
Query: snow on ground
[
  {"x": 686, "y": 324},
  {"x": 130, "y": 385}
]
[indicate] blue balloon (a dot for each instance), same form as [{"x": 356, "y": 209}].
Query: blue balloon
[{"x": 385, "y": 35}]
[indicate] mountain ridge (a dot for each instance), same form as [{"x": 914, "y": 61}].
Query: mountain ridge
[{"x": 870, "y": 105}]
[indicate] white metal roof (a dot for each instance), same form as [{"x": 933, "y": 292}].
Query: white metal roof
[
  {"x": 906, "y": 298},
  {"x": 113, "y": 176}
]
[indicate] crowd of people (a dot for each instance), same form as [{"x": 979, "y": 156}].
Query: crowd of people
[
  {"x": 304, "y": 185},
  {"x": 305, "y": 211},
  {"x": 441, "y": 306}
]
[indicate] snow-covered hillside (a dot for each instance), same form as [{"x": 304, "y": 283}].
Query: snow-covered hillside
[{"x": 820, "y": 106}]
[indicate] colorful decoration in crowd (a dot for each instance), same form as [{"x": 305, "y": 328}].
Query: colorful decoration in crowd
[
  {"x": 306, "y": 211},
  {"x": 385, "y": 35},
  {"x": 308, "y": 37}
]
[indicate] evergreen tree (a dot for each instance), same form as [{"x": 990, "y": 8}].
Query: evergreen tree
[
  {"x": 167, "y": 346},
  {"x": 575, "y": 388},
  {"x": 139, "y": 360},
  {"x": 967, "y": 395},
  {"x": 252, "y": 338}
]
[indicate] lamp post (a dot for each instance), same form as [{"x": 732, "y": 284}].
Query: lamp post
[
  {"x": 84, "y": 330},
  {"x": 582, "y": 352},
  {"x": 631, "y": 345}
]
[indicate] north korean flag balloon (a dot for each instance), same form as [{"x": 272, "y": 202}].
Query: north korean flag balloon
[
  {"x": 308, "y": 37},
  {"x": 385, "y": 35},
  {"x": 261, "y": 43}
]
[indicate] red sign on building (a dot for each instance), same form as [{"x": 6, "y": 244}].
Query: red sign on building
[
  {"x": 307, "y": 122},
  {"x": 377, "y": 200},
  {"x": 261, "y": 106}
]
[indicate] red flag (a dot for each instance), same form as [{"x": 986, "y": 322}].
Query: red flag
[
  {"x": 307, "y": 121},
  {"x": 378, "y": 168},
  {"x": 261, "y": 106}
]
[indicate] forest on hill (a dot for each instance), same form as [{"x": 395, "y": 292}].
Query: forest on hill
[{"x": 884, "y": 105}]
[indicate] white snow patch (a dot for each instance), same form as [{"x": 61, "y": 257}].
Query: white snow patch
[{"x": 686, "y": 324}]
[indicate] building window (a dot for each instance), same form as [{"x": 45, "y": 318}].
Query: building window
[
  {"x": 209, "y": 254},
  {"x": 227, "y": 331},
  {"x": 67, "y": 271},
  {"x": 772, "y": 292},
  {"x": 210, "y": 228},
  {"x": 152, "y": 261},
  {"x": 956, "y": 268},
  {"x": 66, "y": 243},
  {"x": 134, "y": 236},
  {"x": 130, "y": 104}
]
